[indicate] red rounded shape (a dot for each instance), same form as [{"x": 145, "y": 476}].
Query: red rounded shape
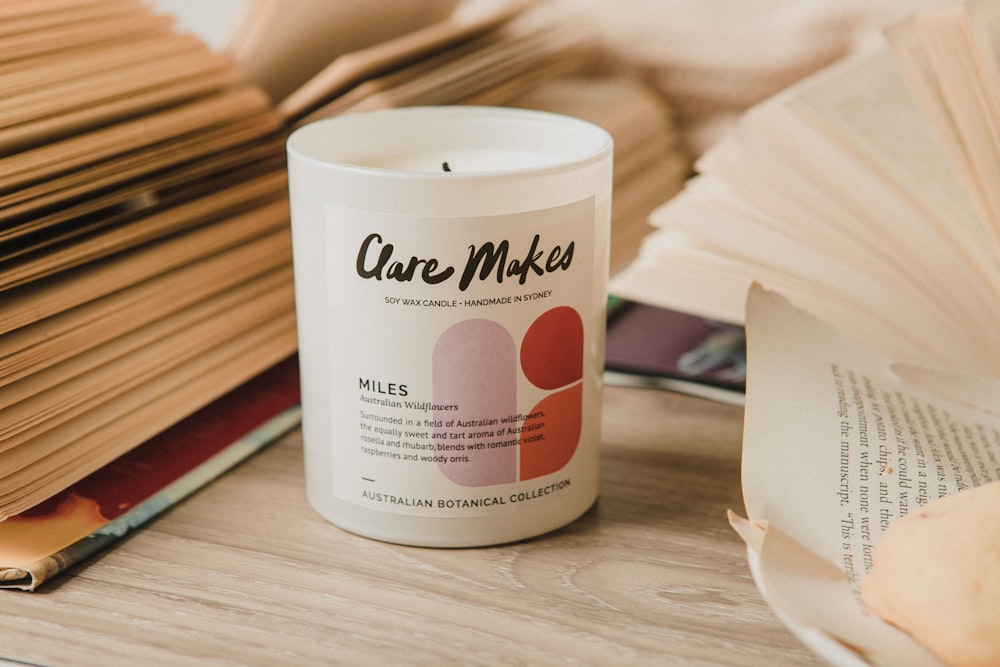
[
  {"x": 549, "y": 440},
  {"x": 552, "y": 349}
]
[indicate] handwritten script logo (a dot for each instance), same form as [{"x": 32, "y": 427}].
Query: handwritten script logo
[{"x": 377, "y": 260}]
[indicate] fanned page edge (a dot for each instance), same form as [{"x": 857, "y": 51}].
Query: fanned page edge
[
  {"x": 945, "y": 57},
  {"x": 353, "y": 68},
  {"x": 678, "y": 284}
]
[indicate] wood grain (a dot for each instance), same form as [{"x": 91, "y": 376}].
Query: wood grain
[{"x": 245, "y": 573}]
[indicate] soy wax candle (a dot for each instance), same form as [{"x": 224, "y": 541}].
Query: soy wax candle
[{"x": 451, "y": 272}]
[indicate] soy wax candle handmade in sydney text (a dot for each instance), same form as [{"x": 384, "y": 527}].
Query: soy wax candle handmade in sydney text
[{"x": 451, "y": 274}]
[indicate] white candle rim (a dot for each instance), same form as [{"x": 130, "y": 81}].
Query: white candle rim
[{"x": 592, "y": 143}]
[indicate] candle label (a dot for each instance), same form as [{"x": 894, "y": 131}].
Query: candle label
[{"x": 466, "y": 358}]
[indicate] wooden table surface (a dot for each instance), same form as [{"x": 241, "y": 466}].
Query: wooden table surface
[{"x": 246, "y": 573}]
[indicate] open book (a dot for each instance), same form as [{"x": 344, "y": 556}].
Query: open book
[
  {"x": 864, "y": 194},
  {"x": 867, "y": 198},
  {"x": 840, "y": 441},
  {"x": 144, "y": 250}
]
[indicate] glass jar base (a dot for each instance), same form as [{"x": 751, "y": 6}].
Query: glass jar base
[{"x": 451, "y": 532}]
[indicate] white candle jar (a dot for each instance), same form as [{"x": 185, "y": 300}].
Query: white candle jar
[{"x": 451, "y": 273}]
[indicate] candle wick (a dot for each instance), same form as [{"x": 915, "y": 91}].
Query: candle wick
[{"x": 444, "y": 165}]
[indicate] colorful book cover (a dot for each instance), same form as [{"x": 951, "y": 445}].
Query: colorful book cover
[
  {"x": 102, "y": 508},
  {"x": 658, "y": 347}
]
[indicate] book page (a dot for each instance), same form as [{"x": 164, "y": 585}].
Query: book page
[
  {"x": 380, "y": 58},
  {"x": 31, "y": 349},
  {"x": 82, "y": 34},
  {"x": 95, "y": 438},
  {"x": 51, "y": 68},
  {"x": 86, "y": 149},
  {"x": 25, "y": 17},
  {"x": 840, "y": 442},
  {"x": 280, "y": 48},
  {"x": 948, "y": 58},
  {"x": 490, "y": 69},
  {"x": 154, "y": 226},
  {"x": 898, "y": 190},
  {"x": 93, "y": 375},
  {"x": 215, "y": 148},
  {"x": 76, "y": 287}
]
